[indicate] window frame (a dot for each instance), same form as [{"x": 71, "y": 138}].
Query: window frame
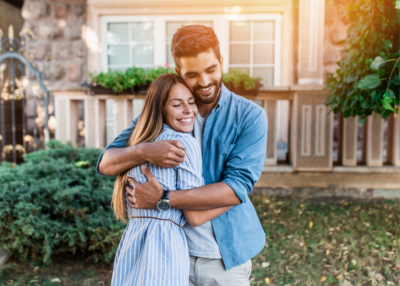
[{"x": 220, "y": 23}]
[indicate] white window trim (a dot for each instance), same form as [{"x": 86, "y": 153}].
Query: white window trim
[{"x": 220, "y": 25}]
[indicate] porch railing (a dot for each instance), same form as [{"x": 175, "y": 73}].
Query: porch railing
[{"x": 310, "y": 137}]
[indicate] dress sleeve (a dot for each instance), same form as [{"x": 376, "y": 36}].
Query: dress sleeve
[
  {"x": 120, "y": 142},
  {"x": 190, "y": 172}
]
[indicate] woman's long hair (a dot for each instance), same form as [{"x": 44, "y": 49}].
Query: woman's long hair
[{"x": 148, "y": 128}]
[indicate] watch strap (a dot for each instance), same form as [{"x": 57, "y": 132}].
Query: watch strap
[{"x": 165, "y": 195}]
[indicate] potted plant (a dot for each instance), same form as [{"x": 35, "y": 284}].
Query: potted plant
[
  {"x": 115, "y": 82},
  {"x": 241, "y": 83}
]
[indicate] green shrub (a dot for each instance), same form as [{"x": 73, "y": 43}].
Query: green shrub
[
  {"x": 368, "y": 77},
  {"x": 240, "y": 79},
  {"x": 56, "y": 203},
  {"x": 119, "y": 81}
]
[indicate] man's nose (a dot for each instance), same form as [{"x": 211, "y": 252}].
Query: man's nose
[{"x": 204, "y": 81}]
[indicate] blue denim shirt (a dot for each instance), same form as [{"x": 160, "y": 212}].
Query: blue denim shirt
[{"x": 234, "y": 147}]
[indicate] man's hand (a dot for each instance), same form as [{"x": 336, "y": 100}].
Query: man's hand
[
  {"x": 163, "y": 153},
  {"x": 146, "y": 195}
]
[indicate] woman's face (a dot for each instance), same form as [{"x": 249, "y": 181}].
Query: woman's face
[{"x": 180, "y": 110}]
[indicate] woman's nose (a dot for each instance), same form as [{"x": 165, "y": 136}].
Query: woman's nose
[{"x": 187, "y": 109}]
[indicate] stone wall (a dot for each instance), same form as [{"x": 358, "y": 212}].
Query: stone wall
[
  {"x": 336, "y": 25},
  {"x": 60, "y": 50}
]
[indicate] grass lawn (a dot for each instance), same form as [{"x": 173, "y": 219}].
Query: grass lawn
[{"x": 329, "y": 242}]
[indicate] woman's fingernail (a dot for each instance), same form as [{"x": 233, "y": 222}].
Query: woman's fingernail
[{"x": 144, "y": 167}]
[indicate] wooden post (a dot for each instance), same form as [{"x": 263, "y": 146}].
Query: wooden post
[
  {"x": 95, "y": 121},
  {"x": 349, "y": 141},
  {"x": 67, "y": 117},
  {"x": 270, "y": 106},
  {"x": 311, "y": 144},
  {"x": 373, "y": 141},
  {"x": 393, "y": 141}
]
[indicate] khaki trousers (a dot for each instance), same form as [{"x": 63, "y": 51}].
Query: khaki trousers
[{"x": 211, "y": 272}]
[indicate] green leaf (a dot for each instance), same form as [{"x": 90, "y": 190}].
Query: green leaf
[
  {"x": 387, "y": 105},
  {"x": 349, "y": 79},
  {"x": 366, "y": 104},
  {"x": 369, "y": 82},
  {"x": 397, "y": 4},
  {"x": 388, "y": 94},
  {"x": 375, "y": 95},
  {"x": 378, "y": 63}
]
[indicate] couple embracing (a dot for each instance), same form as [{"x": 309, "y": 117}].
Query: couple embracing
[{"x": 186, "y": 166}]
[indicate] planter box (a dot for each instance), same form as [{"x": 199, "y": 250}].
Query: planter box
[
  {"x": 102, "y": 90},
  {"x": 142, "y": 89},
  {"x": 241, "y": 91}
]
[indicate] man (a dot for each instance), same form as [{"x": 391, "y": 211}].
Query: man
[{"x": 232, "y": 132}]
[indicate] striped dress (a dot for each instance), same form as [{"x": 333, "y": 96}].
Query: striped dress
[{"x": 154, "y": 252}]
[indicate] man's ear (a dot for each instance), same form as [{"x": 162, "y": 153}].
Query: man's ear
[
  {"x": 177, "y": 71},
  {"x": 221, "y": 61}
]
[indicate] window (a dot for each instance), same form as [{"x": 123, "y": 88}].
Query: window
[
  {"x": 172, "y": 27},
  {"x": 250, "y": 42},
  {"x": 251, "y": 48},
  {"x": 128, "y": 44}
]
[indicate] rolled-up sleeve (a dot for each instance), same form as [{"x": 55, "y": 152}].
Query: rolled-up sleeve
[
  {"x": 246, "y": 160},
  {"x": 120, "y": 141}
]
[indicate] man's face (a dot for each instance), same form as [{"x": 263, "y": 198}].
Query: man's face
[{"x": 203, "y": 75}]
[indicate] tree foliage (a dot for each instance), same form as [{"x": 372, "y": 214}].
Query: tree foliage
[
  {"x": 368, "y": 77},
  {"x": 56, "y": 203}
]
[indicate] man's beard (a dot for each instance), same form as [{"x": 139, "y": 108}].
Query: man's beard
[{"x": 211, "y": 98}]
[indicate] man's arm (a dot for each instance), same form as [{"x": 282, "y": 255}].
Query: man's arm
[
  {"x": 242, "y": 171},
  {"x": 117, "y": 158}
]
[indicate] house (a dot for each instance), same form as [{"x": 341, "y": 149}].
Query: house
[{"x": 291, "y": 44}]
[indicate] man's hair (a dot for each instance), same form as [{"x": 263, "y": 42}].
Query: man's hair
[{"x": 191, "y": 40}]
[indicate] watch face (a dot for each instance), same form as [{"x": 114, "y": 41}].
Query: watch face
[{"x": 163, "y": 206}]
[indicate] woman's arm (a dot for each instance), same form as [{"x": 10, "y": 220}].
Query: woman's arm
[{"x": 196, "y": 218}]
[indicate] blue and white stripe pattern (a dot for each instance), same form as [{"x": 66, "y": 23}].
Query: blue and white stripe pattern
[{"x": 154, "y": 252}]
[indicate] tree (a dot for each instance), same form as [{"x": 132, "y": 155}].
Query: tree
[{"x": 368, "y": 77}]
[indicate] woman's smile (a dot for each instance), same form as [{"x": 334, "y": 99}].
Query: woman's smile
[{"x": 180, "y": 109}]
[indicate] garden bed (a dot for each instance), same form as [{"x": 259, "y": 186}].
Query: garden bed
[{"x": 329, "y": 242}]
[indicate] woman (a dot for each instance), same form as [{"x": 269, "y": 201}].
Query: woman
[{"x": 153, "y": 250}]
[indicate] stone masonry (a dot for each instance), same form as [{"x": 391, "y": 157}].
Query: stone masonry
[{"x": 60, "y": 50}]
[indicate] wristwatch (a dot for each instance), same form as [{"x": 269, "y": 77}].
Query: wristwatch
[{"x": 163, "y": 204}]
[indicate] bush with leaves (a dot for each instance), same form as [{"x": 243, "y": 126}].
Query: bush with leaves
[
  {"x": 119, "y": 81},
  {"x": 239, "y": 79},
  {"x": 368, "y": 78},
  {"x": 56, "y": 203}
]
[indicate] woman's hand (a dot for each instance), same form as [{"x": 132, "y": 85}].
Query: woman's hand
[
  {"x": 163, "y": 153},
  {"x": 146, "y": 195}
]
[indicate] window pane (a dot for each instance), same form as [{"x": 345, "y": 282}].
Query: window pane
[
  {"x": 118, "y": 55},
  {"x": 170, "y": 59},
  {"x": 263, "y": 31},
  {"x": 239, "y": 54},
  {"x": 172, "y": 27},
  {"x": 239, "y": 31},
  {"x": 142, "y": 55},
  {"x": 267, "y": 75},
  {"x": 142, "y": 32},
  {"x": 204, "y": 23},
  {"x": 246, "y": 70},
  {"x": 117, "y": 32},
  {"x": 263, "y": 54}
]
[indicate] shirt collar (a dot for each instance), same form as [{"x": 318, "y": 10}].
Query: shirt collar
[{"x": 223, "y": 97}]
